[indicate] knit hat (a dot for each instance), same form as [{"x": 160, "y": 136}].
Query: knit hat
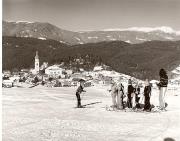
[{"x": 129, "y": 81}]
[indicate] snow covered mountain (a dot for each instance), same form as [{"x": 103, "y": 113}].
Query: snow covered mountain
[
  {"x": 38, "y": 30},
  {"x": 48, "y": 31},
  {"x": 177, "y": 70},
  {"x": 175, "y": 77},
  {"x": 164, "y": 29},
  {"x": 176, "y": 74}
]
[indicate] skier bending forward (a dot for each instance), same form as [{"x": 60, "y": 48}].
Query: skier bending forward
[{"x": 79, "y": 90}]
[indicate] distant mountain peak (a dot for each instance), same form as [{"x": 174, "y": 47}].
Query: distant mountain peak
[
  {"x": 165, "y": 29},
  {"x": 47, "y": 30},
  {"x": 24, "y": 22},
  {"x": 18, "y": 21}
]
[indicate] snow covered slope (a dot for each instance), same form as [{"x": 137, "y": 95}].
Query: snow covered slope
[
  {"x": 49, "y": 31},
  {"x": 176, "y": 70},
  {"x": 48, "y": 114}
]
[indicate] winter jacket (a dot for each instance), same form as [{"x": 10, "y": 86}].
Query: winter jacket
[
  {"x": 130, "y": 89},
  {"x": 163, "y": 81},
  {"x": 114, "y": 88},
  {"x": 80, "y": 90},
  {"x": 147, "y": 91},
  {"x": 120, "y": 87},
  {"x": 137, "y": 91},
  {"x": 147, "y": 95}
]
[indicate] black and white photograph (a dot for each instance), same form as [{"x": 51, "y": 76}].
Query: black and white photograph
[{"x": 90, "y": 70}]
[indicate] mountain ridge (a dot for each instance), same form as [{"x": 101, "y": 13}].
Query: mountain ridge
[{"x": 131, "y": 35}]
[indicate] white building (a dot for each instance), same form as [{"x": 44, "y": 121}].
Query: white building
[
  {"x": 69, "y": 72},
  {"x": 7, "y": 83},
  {"x": 44, "y": 65},
  {"x": 6, "y": 73},
  {"x": 54, "y": 71},
  {"x": 98, "y": 68}
]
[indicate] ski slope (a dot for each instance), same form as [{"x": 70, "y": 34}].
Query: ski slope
[{"x": 49, "y": 114}]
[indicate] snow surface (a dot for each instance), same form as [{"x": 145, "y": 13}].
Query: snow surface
[
  {"x": 112, "y": 39},
  {"x": 169, "y": 38},
  {"x": 48, "y": 114},
  {"x": 77, "y": 38},
  {"x": 164, "y": 29},
  {"x": 27, "y": 22},
  {"x": 108, "y": 36},
  {"x": 95, "y": 37},
  {"x": 128, "y": 41},
  {"x": 178, "y": 33},
  {"x": 41, "y": 38},
  {"x": 176, "y": 70},
  {"x": 62, "y": 42},
  {"x": 141, "y": 39}
]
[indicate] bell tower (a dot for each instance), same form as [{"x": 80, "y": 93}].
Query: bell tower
[{"x": 36, "y": 63}]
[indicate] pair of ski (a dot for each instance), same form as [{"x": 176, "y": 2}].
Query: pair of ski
[
  {"x": 33, "y": 85},
  {"x": 133, "y": 110}
]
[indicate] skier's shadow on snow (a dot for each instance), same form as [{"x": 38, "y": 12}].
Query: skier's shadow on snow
[{"x": 91, "y": 103}]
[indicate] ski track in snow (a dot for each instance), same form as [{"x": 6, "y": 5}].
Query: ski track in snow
[{"x": 49, "y": 114}]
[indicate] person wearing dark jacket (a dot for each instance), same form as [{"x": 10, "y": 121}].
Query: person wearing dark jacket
[
  {"x": 147, "y": 95},
  {"x": 130, "y": 92},
  {"x": 162, "y": 88},
  {"x": 79, "y": 90}
]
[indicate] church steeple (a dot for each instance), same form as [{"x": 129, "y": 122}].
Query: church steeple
[
  {"x": 37, "y": 56},
  {"x": 36, "y": 63}
]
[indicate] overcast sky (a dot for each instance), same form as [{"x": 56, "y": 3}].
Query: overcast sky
[{"x": 78, "y": 15}]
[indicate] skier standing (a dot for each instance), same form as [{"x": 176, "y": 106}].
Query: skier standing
[
  {"x": 137, "y": 95},
  {"x": 120, "y": 93},
  {"x": 162, "y": 88},
  {"x": 147, "y": 95},
  {"x": 79, "y": 90},
  {"x": 130, "y": 93},
  {"x": 114, "y": 94}
]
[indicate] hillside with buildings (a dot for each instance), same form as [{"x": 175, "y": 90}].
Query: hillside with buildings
[{"x": 139, "y": 60}]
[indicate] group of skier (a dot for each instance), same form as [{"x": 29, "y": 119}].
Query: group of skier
[
  {"x": 135, "y": 100},
  {"x": 133, "y": 96}
]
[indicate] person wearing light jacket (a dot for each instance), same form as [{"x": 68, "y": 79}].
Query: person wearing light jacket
[
  {"x": 120, "y": 93},
  {"x": 162, "y": 88},
  {"x": 114, "y": 92}
]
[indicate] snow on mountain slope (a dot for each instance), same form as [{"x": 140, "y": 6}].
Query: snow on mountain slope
[
  {"x": 176, "y": 76},
  {"x": 132, "y": 35},
  {"x": 41, "y": 38},
  {"x": 176, "y": 70},
  {"x": 164, "y": 29}
]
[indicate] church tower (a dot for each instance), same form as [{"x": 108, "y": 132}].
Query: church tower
[{"x": 36, "y": 65}]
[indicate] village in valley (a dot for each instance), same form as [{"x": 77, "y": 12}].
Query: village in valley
[{"x": 58, "y": 75}]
